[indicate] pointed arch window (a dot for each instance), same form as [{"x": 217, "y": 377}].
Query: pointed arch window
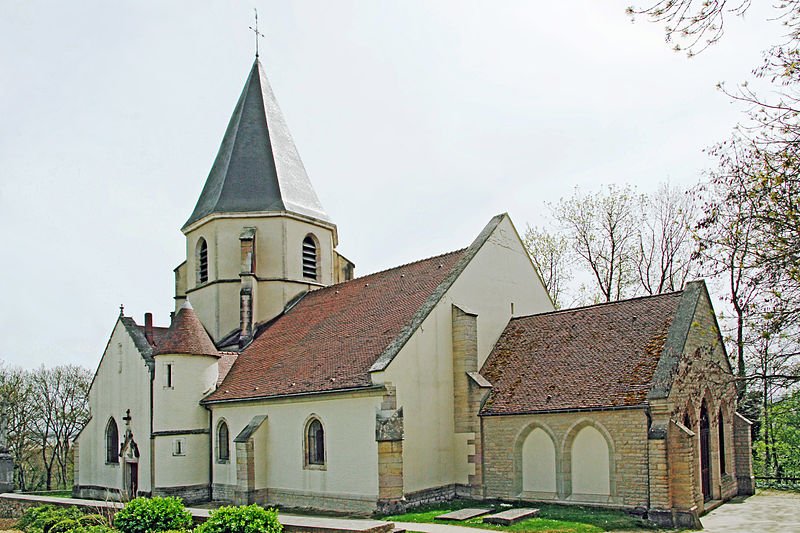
[
  {"x": 315, "y": 444},
  {"x": 223, "y": 442},
  {"x": 112, "y": 442},
  {"x": 202, "y": 261},
  {"x": 310, "y": 257}
]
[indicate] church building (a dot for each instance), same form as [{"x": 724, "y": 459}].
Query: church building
[{"x": 284, "y": 380}]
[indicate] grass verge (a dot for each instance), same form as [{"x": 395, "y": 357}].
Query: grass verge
[{"x": 553, "y": 518}]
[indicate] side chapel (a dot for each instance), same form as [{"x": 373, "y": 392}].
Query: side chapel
[{"x": 284, "y": 380}]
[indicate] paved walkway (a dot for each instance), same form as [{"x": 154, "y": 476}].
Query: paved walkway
[{"x": 766, "y": 512}]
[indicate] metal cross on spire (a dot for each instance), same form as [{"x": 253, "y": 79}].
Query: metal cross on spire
[{"x": 255, "y": 30}]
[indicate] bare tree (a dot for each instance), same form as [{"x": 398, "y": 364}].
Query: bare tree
[
  {"x": 548, "y": 251},
  {"x": 17, "y": 394},
  {"x": 602, "y": 228},
  {"x": 694, "y": 25},
  {"x": 665, "y": 244},
  {"x": 72, "y": 413}
]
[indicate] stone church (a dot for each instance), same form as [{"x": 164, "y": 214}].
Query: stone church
[{"x": 285, "y": 380}]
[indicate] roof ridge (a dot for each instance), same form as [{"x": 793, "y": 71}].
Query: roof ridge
[
  {"x": 361, "y": 278},
  {"x": 601, "y": 304}
]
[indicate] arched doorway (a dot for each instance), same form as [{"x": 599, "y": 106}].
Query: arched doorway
[{"x": 705, "y": 455}]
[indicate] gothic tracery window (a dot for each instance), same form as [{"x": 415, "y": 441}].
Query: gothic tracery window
[
  {"x": 315, "y": 443},
  {"x": 223, "y": 442},
  {"x": 112, "y": 442}
]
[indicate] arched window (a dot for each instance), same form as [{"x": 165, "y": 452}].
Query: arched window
[
  {"x": 721, "y": 424},
  {"x": 202, "y": 261},
  {"x": 309, "y": 258},
  {"x": 223, "y": 443},
  {"x": 315, "y": 443},
  {"x": 112, "y": 442}
]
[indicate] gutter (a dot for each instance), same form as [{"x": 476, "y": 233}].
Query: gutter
[
  {"x": 295, "y": 395},
  {"x": 569, "y": 410}
]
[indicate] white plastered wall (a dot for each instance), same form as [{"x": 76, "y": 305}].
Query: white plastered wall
[
  {"x": 539, "y": 463},
  {"x": 500, "y": 274},
  {"x": 351, "y": 452},
  {"x": 122, "y": 382},
  {"x": 590, "y": 463},
  {"x": 177, "y": 409}
]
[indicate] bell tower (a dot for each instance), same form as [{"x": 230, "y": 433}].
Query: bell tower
[{"x": 258, "y": 236}]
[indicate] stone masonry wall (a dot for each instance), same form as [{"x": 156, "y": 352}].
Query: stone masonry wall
[
  {"x": 743, "y": 457},
  {"x": 703, "y": 375},
  {"x": 628, "y": 431}
]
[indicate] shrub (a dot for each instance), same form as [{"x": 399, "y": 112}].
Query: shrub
[
  {"x": 92, "y": 520},
  {"x": 33, "y": 514},
  {"x": 146, "y": 515},
  {"x": 64, "y": 525},
  {"x": 100, "y": 528},
  {"x": 44, "y": 517},
  {"x": 244, "y": 519}
]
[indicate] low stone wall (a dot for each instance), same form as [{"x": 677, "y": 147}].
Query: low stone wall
[{"x": 14, "y": 505}]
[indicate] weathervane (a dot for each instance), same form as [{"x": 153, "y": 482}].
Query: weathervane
[{"x": 255, "y": 30}]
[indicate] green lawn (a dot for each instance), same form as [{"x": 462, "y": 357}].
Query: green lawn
[{"x": 554, "y": 518}]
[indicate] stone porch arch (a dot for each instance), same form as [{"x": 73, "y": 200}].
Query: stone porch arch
[
  {"x": 567, "y": 460},
  {"x": 520, "y": 463}
]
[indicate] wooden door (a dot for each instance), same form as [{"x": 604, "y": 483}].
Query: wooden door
[{"x": 133, "y": 479}]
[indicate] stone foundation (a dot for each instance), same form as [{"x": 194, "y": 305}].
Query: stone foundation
[{"x": 188, "y": 493}]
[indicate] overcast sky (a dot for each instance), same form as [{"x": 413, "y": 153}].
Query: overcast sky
[{"x": 416, "y": 120}]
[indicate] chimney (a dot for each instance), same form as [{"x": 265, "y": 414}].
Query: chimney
[{"x": 148, "y": 328}]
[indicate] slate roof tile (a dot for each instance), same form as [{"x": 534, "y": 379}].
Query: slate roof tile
[
  {"x": 332, "y": 336},
  {"x": 591, "y": 357}
]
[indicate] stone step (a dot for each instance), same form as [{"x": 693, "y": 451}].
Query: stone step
[
  {"x": 512, "y": 516},
  {"x": 463, "y": 514}
]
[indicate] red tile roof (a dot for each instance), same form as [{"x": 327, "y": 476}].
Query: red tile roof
[
  {"x": 224, "y": 366},
  {"x": 186, "y": 335},
  {"x": 591, "y": 357},
  {"x": 332, "y": 336}
]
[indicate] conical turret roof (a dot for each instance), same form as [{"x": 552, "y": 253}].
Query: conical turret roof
[
  {"x": 257, "y": 167},
  {"x": 186, "y": 335}
]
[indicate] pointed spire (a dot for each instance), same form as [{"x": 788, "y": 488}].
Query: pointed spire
[
  {"x": 257, "y": 167},
  {"x": 186, "y": 335}
]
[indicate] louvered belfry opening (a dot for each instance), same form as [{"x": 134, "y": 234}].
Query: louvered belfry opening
[
  {"x": 309, "y": 258},
  {"x": 202, "y": 262}
]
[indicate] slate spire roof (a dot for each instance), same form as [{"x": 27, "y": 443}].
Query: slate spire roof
[
  {"x": 257, "y": 167},
  {"x": 186, "y": 335}
]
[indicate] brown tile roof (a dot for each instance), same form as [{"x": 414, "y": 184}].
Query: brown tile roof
[
  {"x": 186, "y": 335},
  {"x": 332, "y": 336},
  {"x": 590, "y": 357},
  {"x": 224, "y": 366}
]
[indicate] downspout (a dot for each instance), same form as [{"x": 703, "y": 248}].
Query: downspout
[
  {"x": 152, "y": 438},
  {"x": 647, "y": 451}
]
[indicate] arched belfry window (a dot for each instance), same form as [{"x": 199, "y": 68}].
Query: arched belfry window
[
  {"x": 202, "y": 261},
  {"x": 315, "y": 443},
  {"x": 112, "y": 442},
  {"x": 310, "y": 257},
  {"x": 223, "y": 442}
]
